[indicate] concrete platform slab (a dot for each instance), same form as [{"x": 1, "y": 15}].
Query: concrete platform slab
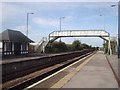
[
  {"x": 95, "y": 74},
  {"x": 114, "y": 62}
]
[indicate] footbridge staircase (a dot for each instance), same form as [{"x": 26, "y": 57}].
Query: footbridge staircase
[{"x": 40, "y": 47}]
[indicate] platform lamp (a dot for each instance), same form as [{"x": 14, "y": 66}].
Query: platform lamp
[
  {"x": 103, "y": 20},
  {"x": 27, "y": 22},
  {"x": 60, "y": 24},
  {"x": 103, "y": 29},
  {"x": 118, "y": 27}
]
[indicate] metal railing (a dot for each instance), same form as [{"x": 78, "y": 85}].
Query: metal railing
[{"x": 40, "y": 47}]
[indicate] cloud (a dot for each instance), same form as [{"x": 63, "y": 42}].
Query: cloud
[
  {"x": 13, "y": 10},
  {"x": 0, "y": 12},
  {"x": 22, "y": 28},
  {"x": 46, "y": 22},
  {"x": 50, "y": 22},
  {"x": 46, "y": 18},
  {"x": 69, "y": 18},
  {"x": 8, "y": 11},
  {"x": 34, "y": 35},
  {"x": 16, "y": 9}
]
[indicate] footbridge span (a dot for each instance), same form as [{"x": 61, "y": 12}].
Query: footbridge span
[{"x": 78, "y": 33}]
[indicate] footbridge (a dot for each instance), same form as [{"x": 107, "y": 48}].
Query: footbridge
[{"x": 79, "y": 33}]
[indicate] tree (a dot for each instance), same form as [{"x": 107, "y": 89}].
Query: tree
[
  {"x": 56, "y": 47},
  {"x": 69, "y": 47},
  {"x": 76, "y": 45},
  {"x": 105, "y": 45},
  {"x": 113, "y": 46},
  {"x": 62, "y": 47},
  {"x": 85, "y": 46},
  {"x": 48, "y": 48}
]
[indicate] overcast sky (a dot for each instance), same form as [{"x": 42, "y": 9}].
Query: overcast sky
[{"x": 79, "y": 16}]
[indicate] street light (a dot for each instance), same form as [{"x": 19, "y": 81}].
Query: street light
[
  {"x": 104, "y": 29},
  {"x": 103, "y": 20},
  {"x": 27, "y": 22},
  {"x": 118, "y": 27},
  {"x": 113, "y": 5},
  {"x": 60, "y": 24}
]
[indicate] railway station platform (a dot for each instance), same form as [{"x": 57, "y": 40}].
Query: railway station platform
[
  {"x": 23, "y": 57},
  {"x": 94, "y": 72}
]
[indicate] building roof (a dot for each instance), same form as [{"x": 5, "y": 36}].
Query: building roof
[{"x": 14, "y": 36}]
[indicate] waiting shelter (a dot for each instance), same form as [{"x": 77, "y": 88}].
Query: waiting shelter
[{"x": 14, "y": 43}]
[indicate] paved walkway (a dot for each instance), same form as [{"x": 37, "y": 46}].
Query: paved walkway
[
  {"x": 95, "y": 74},
  {"x": 114, "y": 62}
]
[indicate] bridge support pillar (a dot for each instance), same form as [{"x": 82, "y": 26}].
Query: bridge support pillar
[
  {"x": 43, "y": 49},
  {"x": 104, "y": 46},
  {"x": 109, "y": 47}
]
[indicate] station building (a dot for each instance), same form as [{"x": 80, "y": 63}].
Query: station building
[{"x": 14, "y": 43}]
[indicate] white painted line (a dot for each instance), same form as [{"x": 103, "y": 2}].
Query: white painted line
[
  {"x": 54, "y": 74},
  {"x": 67, "y": 78}
]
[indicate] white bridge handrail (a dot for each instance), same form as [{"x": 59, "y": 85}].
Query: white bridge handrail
[
  {"x": 81, "y": 33},
  {"x": 74, "y": 33},
  {"x": 41, "y": 43}
]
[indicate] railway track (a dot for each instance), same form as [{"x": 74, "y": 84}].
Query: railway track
[{"x": 28, "y": 79}]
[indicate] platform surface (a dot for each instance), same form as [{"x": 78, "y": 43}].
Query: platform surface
[
  {"x": 113, "y": 59},
  {"x": 95, "y": 74}
]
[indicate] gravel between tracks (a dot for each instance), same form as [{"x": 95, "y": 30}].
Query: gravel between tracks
[{"x": 20, "y": 80}]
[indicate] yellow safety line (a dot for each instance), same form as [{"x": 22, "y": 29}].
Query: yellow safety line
[{"x": 64, "y": 80}]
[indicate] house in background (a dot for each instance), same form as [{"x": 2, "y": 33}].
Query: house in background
[{"x": 14, "y": 43}]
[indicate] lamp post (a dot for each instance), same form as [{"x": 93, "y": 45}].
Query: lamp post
[
  {"x": 60, "y": 24},
  {"x": 103, "y": 21},
  {"x": 103, "y": 29},
  {"x": 27, "y": 22},
  {"x": 118, "y": 27}
]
